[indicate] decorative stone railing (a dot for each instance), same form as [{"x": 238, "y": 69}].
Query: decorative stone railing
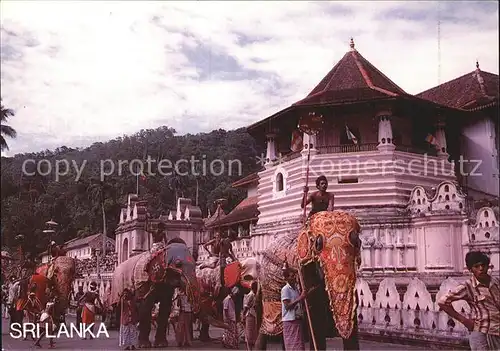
[
  {"x": 334, "y": 149},
  {"x": 413, "y": 316}
]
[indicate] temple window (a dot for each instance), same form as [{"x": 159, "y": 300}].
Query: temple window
[
  {"x": 125, "y": 250},
  {"x": 279, "y": 182}
]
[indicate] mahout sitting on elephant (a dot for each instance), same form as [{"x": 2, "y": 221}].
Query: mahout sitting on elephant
[
  {"x": 221, "y": 249},
  {"x": 153, "y": 277},
  {"x": 326, "y": 253}
]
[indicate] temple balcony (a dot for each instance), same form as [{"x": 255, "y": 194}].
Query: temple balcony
[
  {"x": 359, "y": 179},
  {"x": 342, "y": 149}
]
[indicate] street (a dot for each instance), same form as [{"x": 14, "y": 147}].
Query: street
[{"x": 111, "y": 343}]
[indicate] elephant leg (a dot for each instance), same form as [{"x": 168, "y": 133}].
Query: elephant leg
[
  {"x": 204, "y": 334},
  {"x": 352, "y": 343},
  {"x": 162, "y": 319},
  {"x": 261, "y": 342},
  {"x": 145, "y": 310}
]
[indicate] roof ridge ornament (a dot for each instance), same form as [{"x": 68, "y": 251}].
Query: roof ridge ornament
[
  {"x": 477, "y": 64},
  {"x": 351, "y": 44}
]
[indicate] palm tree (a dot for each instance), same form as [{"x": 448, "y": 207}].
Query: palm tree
[
  {"x": 97, "y": 191},
  {"x": 5, "y": 129}
]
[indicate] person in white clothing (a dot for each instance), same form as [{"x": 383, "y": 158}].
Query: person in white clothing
[
  {"x": 250, "y": 316},
  {"x": 291, "y": 311}
]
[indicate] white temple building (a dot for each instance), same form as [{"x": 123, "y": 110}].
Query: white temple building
[{"x": 393, "y": 160}]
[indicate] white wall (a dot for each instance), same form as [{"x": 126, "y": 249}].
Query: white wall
[
  {"x": 383, "y": 180},
  {"x": 479, "y": 143},
  {"x": 252, "y": 190}
]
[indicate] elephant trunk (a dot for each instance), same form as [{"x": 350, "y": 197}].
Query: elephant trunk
[{"x": 193, "y": 292}]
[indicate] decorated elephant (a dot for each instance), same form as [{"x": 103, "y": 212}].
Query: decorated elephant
[
  {"x": 154, "y": 277},
  {"x": 326, "y": 253},
  {"x": 240, "y": 273},
  {"x": 58, "y": 285}
]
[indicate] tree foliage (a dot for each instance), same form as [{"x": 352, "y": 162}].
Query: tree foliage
[
  {"x": 32, "y": 196},
  {"x": 6, "y": 130}
]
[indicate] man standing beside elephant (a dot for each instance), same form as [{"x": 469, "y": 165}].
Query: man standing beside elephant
[
  {"x": 79, "y": 307},
  {"x": 89, "y": 308},
  {"x": 291, "y": 311},
  {"x": 16, "y": 315}
]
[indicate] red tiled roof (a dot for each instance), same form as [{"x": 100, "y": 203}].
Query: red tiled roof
[
  {"x": 218, "y": 215},
  {"x": 246, "y": 210},
  {"x": 246, "y": 180},
  {"x": 470, "y": 91},
  {"x": 353, "y": 78}
]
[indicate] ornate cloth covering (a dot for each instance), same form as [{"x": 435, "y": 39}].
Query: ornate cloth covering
[
  {"x": 281, "y": 250},
  {"x": 271, "y": 318},
  {"x": 327, "y": 237},
  {"x": 232, "y": 274},
  {"x": 128, "y": 275},
  {"x": 156, "y": 268},
  {"x": 63, "y": 277}
]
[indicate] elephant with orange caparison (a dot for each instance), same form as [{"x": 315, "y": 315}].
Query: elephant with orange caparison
[
  {"x": 327, "y": 252},
  {"x": 241, "y": 274},
  {"x": 61, "y": 282},
  {"x": 153, "y": 277}
]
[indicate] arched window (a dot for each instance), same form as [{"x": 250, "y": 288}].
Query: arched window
[
  {"x": 279, "y": 182},
  {"x": 125, "y": 250}
]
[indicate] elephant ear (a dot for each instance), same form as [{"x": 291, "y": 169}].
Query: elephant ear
[
  {"x": 232, "y": 274},
  {"x": 157, "y": 267}
]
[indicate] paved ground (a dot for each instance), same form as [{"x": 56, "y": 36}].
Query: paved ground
[{"x": 111, "y": 343}]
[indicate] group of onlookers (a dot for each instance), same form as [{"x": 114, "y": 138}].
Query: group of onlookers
[
  {"x": 231, "y": 336},
  {"x": 481, "y": 292}
]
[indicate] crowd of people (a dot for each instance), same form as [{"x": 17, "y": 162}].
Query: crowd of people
[
  {"x": 89, "y": 266},
  {"x": 481, "y": 292}
]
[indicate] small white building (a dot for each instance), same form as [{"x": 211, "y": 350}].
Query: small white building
[{"x": 81, "y": 248}]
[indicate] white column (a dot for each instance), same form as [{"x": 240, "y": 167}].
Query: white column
[
  {"x": 309, "y": 143},
  {"x": 441, "y": 140},
  {"x": 385, "y": 141},
  {"x": 378, "y": 254},
  {"x": 271, "y": 149}
]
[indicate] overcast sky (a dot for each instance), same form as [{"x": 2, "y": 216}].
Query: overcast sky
[{"x": 80, "y": 72}]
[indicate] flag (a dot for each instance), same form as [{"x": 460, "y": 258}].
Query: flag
[
  {"x": 431, "y": 140},
  {"x": 297, "y": 143},
  {"x": 351, "y": 136}
]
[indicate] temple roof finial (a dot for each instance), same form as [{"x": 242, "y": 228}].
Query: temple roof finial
[
  {"x": 477, "y": 64},
  {"x": 352, "y": 44}
]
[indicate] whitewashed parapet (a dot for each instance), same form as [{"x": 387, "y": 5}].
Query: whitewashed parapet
[
  {"x": 483, "y": 235},
  {"x": 444, "y": 321},
  {"x": 486, "y": 227},
  {"x": 413, "y": 315},
  {"x": 447, "y": 199},
  {"x": 103, "y": 286}
]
